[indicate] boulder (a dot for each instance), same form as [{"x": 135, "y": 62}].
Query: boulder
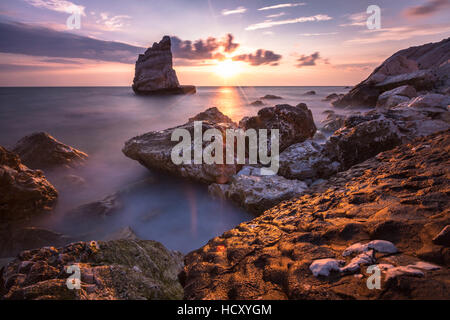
[
  {"x": 295, "y": 124},
  {"x": 396, "y": 96},
  {"x": 153, "y": 150},
  {"x": 271, "y": 97},
  {"x": 310, "y": 93},
  {"x": 352, "y": 145},
  {"x": 256, "y": 103},
  {"x": 212, "y": 115},
  {"x": 423, "y": 67},
  {"x": 395, "y": 201},
  {"x": 42, "y": 151},
  {"x": 256, "y": 193},
  {"x": 431, "y": 100},
  {"x": 113, "y": 270},
  {"x": 333, "y": 122},
  {"x": 306, "y": 160},
  {"x": 123, "y": 233},
  {"x": 154, "y": 73},
  {"x": 332, "y": 97},
  {"x": 24, "y": 193}
]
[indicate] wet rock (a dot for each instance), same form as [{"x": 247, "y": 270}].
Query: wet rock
[
  {"x": 212, "y": 115},
  {"x": 295, "y": 124},
  {"x": 333, "y": 122},
  {"x": 310, "y": 93},
  {"x": 352, "y": 145},
  {"x": 277, "y": 248},
  {"x": 270, "y": 97},
  {"x": 331, "y": 97},
  {"x": 154, "y": 73},
  {"x": 443, "y": 237},
  {"x": 153, "y": 150},
  {"x": 121, "y": 269},
  {"x": 42, "y": 151},
  {"x": 423, "y": 67},
  {"x": 24, "y": 193},
  {"x": 306, "y": 160},
  {"x": 257, "y": 193}
]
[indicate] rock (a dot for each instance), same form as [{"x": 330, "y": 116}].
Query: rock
[
  {"x": 257, "y": 103},
  {"x": 73, "y": 180},
  {"x": 153, "y": 150},
  {"x": 154, "y": 73},
  {"x": 24, "y": 193},
  {"x": 121, "y": 269},
  {"x": 323, "y": 267},
  {"x": 257, "y": 193},
  {"x": 331, "y": 97},
  {"x": 382, "y": 246},
  {"x": 310, "y": 93},
  {"x": 333, "y": 122},
  {"x": 42, "y": 151},
  {"x": 423, "y": 67},
  {"x": 16, "y": 239},
  {"x": 393, "y": 273},
  {"x": 396, "y": 96},
  {"x": 212, "y": 115},
  {"x": 352, "y": 145},
  {"x": 430, "y": 100},
  {"x": 295, "y": 124},
  {"x": 365, "y": 258},
  {"x": 400, "y": 194},
  {"x": 443, "y": 237},
  {"x": 97, "y": 210},
  {"x": 306, "y": 160},
  {"x": 270, "y": 97},
  {"x": 124, "y": 233}
]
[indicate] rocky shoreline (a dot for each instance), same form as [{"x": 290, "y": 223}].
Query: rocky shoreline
[{"x": 376, "y": 192}]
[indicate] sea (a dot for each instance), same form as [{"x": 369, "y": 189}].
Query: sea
[{"x": 98, "y": 120}]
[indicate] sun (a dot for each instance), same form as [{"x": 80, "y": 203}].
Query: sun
[{"x": 227, "y": 68}]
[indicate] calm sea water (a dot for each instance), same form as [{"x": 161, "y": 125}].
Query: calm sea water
[{"x": 98, "y": 120}]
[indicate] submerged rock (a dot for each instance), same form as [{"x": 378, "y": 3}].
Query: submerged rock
[
  {"x": 310, "y": 93},
  {"x": 295, "y": 124},
  {"x": 257, "y": 103},
  {"x": 423, "y": 67},
  {"x": 271, "y": 97},
  {"x": 42, "y": 151},
  {"x": 396, "y": 197},
  {"x": 154, "y": 73},
  {"x": 24, "y": 193},
  {"x": 121, "y": 269}
]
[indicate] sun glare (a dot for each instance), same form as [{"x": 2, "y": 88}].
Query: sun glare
[{"x": 227, "y": 68}]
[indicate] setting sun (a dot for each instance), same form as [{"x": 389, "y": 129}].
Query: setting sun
[{"x": 227, "y": 68}]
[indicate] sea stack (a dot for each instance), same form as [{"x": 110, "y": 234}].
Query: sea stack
[{"x": 154, "y": 73}]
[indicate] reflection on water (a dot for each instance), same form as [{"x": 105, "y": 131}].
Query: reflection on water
[{"x": 98, "y": 121}]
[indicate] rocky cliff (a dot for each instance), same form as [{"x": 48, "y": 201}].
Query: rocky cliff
[{"x": 154, "y": 73}]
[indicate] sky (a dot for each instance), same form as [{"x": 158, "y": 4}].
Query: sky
[{"x": 214, "y": 42}]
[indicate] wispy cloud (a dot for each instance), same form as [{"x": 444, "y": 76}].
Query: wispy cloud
[
  {"x": 318, "y": 34},
  {"x": 276, "y": 15},
  {"x": 269, "y": 24},
  {"x": 427, "y": 9},
  {"x": 355, "y": 19},
  {"x": 310, "y": 60},
  {"x": 282, "y": 5},
  {"x": 58, "y": 5},
  {"x": 226, "y": 12},
  {"x": 399, "y": 33},
  {"x": 112, "y": 23},
  {"x": 260, "y": 57}
]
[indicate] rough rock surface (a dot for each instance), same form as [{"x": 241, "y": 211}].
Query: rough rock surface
[
  {"x": 212, "y": 115},
  {"x": 295, "y": 124},
  {"x": 23, "y": 192},
  {"x": 395, "y": 96},
  {"x": 154, "y": 73},
  {"x": 306, "y": 160},
  {"x": 424, "y": 67},
  {"x": 399, "y": 196},
  {"x": 153, "y": 150},
  {"x": 256, "y": 193},
  {"x": 333, "y": 122},
  {"x": 121, "y": 269},
  {"x": 42, "y": 151}
]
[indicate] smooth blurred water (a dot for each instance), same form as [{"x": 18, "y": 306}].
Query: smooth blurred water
[{"x": 98, "y": 120}]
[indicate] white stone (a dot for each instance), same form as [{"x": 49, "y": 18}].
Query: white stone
[{"x": 323, "y": 267}]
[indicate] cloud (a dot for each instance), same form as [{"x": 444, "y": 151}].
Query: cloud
[
  {"x": 276, "y": 15},
  {"x": 32, "y": 40},
  {"x": 356, "y": 19},
  {"x": 112, "y": 23},
  {"x": 310, "y": 60},
  {"x": 282, "y": 5},
  {"x": 57, "y": 5},
  {"x": 269, "y": 24},
  {"x": 399, "y": 33},
  {"x": 210, "y": 48},
  {"x": 226, "y": 12},
  {"x": 260, "y": 57},
  {"x": 428, "y": 8},
  {"x": 318, "y": 34}
]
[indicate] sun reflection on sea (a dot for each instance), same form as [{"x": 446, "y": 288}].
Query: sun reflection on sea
[{"x": 229, "y": 101}]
